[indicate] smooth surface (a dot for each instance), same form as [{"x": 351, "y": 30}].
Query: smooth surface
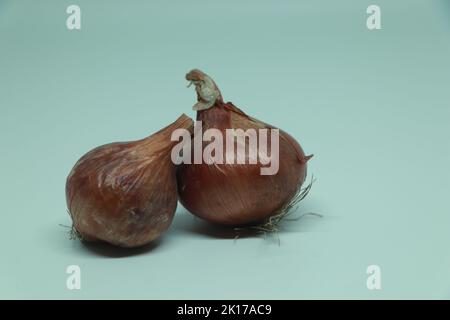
[{"x": 373, "y": 106}]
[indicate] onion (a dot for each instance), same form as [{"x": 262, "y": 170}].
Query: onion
[
  {"x": 125, "y": 193},
  {"x": 238, "y": 194}
]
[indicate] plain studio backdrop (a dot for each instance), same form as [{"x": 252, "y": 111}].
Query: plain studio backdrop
[{"x": 373, "y": 106}]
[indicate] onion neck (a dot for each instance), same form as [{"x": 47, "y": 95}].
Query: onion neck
[
  {"x": 208, "y": 94},
  {"x": 162, "y": 141}
]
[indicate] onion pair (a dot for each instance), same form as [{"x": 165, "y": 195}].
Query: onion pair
[{"x": 126, "y": 193}]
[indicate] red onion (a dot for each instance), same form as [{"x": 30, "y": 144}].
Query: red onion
[
  {"x": 237, "y": 194},
  {"x": 125, "y": 193}
]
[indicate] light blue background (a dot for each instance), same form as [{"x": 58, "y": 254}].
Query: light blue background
[{"x": 373, "y": 106}]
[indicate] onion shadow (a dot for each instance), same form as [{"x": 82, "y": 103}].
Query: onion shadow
[
  {"x": 108, "y": 250},
  {"x": 187, "y": 223}
]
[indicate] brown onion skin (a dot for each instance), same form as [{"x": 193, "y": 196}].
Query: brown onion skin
[
  {"x": 125, "y": 193},
  {"x": 236, "y": 194}
]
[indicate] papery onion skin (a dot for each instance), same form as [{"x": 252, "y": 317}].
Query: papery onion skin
[
  {"x": 237, "y": 194},
  {"x": 125, "y": 193}
]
